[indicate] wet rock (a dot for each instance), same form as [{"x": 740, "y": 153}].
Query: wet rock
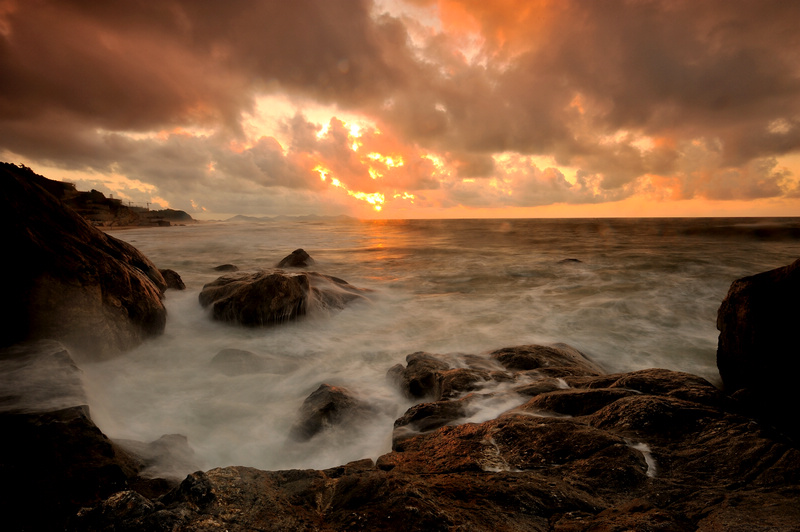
[
  {"x": 420, "y": 377},
  {"x": 169, "y": 457},
  {"x": 539, "y": 386},
  {"x": 39, "y": 376},
  {"x": 326, "y": 407},
  {"x": 296, "y": 259},
  {"x": 426, "y": 417},
  {"x": 556, "y": 360},
  {"x": 757, "y": 351},
  {"x": 68, "y": 281},
  {"x": 456, "y": 382},
  {"x": 269, "y": 297},
  {"x": 173, "y": 279},
  {"x": 234, "y": 362},
  {"x": 574, "y": 402},
  {"x": 226, "y": 268},
  {"x": 59, "y": 459}
]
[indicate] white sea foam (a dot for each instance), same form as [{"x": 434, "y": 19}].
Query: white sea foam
[{"x": 643, "y": 295}]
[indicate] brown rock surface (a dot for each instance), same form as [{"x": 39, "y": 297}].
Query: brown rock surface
[
  {"x": 268, "y": 297},
  {"x": 298, "y": 258},
  {"x": 67, "y": 280}
]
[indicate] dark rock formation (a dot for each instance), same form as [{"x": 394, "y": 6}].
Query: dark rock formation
[
  {"x": 326, "y": 407},
  {"x": 68, "y": 281},
  {"x": 420, "y": 377},
  {"x": 39, "y": 376},
  {"x": 101, "y": 211},
  {"x": 172, "y": 279},
  {"x": 269, "y": 297},
  {"x": 758, "y": 354},
  {"x": 53, "y": 459},
  {"x": 646, "y": 450},
  {"x": 296, "y": 259},
  {"x": 234, "y": 362},
  {"x": 226, "y": 268}
]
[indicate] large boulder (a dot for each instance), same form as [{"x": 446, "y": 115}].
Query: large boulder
[
  {"x": 758, "y": 354},
  {"x": 327, "y": 407},
  {"x": 268, "y": 297},
  {"x": 67, "y": 280}
]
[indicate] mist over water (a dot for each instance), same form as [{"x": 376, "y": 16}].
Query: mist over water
[{"x": 638, "y": 294}]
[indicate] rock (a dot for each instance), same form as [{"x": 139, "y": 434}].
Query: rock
[
  {"x": 326, "y": 407},
  {"x": 425, "y": 417},
  {"x": 757, "y": 351},
  {"x": 268, "y": 297},
  {"x": 556, "y": 361},
  {"x": 52, "y": 455},
  {"x": 646, "y": 450},
  {"x": 296, "y": 259},
  {"x": 60, "y": 460},
  {"x": 234, "y": 362},
  {"x": 168, "y": 457},
  {"x": 420, "y": 377},
  {"x": 226, "y": 268},
  {"x": 39, "y": 376},
  {"x": 172, "y": 279},
  {"x": 68, "y": 281}
]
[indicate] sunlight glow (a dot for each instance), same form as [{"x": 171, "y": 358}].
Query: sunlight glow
[
  {"x": 376, "y": 199},
  {"x": 395, "y": 161}
]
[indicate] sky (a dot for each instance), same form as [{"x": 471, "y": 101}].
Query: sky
[{"x": 410, "y": 108}]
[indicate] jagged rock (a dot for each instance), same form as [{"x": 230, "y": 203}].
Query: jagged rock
[
  {"x": 172, "y": 279},
  {"x": 233, "y": 362},
  {"x": 69, "y": 281},
  {"x": 326, "y": 407},
  {"x": 296, "y": 259},
  {"x": 268, "y": 297},
  {"x": 757, "y": 353}
]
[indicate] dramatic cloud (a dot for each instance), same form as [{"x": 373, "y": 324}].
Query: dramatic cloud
[{"x": 415, "y": 106}]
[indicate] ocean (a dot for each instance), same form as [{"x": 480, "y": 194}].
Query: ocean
[{"x": 629, "y": 293}]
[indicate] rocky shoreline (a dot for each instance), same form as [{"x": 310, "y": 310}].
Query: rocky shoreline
[{"x": 523, "y": 438}]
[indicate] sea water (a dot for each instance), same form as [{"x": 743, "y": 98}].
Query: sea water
[{"x": 629, "y": 293}]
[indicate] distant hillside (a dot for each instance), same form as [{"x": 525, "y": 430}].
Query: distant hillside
[{"x": 98, "y": 209}]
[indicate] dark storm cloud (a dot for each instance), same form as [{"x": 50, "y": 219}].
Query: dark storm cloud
[
  {"x": 569, "y": 74},
  {"x": 705, "y": 95}
]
